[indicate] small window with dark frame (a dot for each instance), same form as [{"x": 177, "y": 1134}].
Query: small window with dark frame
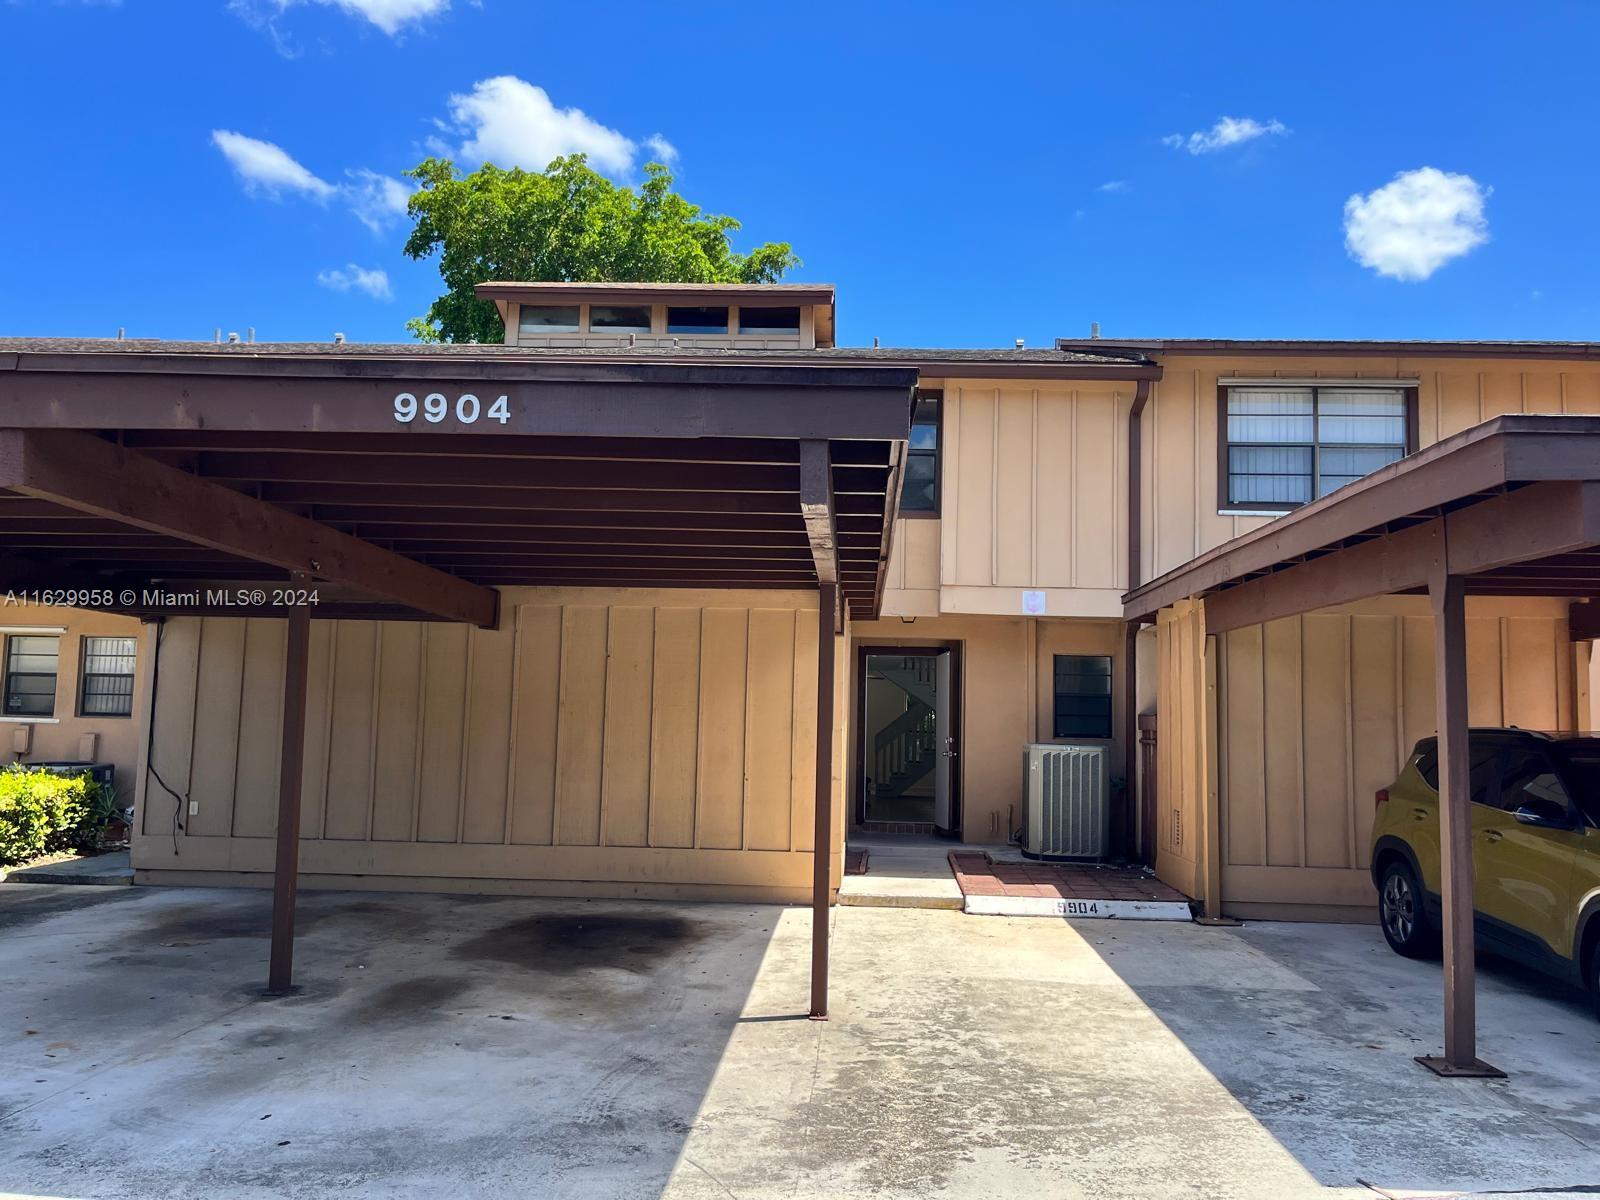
[
  {"x": 1286, "y": 446},
  {"x": 106, "y": 689},
  {"x": 770, "y": 322},
  {"x": 919, "y": 492},
  {"x": 704, "y": 322},
  {"x": 539, "y": 319},
  {"x": 31, "y": 662},
  {"x": 619, "y": 318},
  {"x": 1082, "y": 696}
]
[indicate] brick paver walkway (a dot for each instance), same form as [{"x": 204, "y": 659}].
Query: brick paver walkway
[{"x": 1068, "y": 881}]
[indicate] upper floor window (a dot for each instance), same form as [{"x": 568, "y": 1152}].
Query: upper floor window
[
  {"x": 107, "y": 688},
  {"x": 538, "y": 319},
  {"x": 919, "y": 493},
  {"x": 1286, "y": 446},
  {"x": 702, "y": 322},
  {"x": 31, "y": 674},
  {"x": 770, "y": 322},
  {"x": 619, "y": 318}
]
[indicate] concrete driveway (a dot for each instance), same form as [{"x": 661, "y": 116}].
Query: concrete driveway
[{"x": 448, "y": 1046}]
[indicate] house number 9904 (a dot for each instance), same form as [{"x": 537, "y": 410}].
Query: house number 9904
[{"x": 435, "y": 407}]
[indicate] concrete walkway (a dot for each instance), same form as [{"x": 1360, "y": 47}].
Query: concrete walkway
[
  {"x": 496, "y": 1047},
  {"x": 903, "y": 871},
  {"x": 100, "y": 870}
]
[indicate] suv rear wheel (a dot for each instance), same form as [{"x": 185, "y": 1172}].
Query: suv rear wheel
[{"x": 1404, "y": 918}]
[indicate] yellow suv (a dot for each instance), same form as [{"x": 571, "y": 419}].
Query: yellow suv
[{"x": 1535, "y": 852}]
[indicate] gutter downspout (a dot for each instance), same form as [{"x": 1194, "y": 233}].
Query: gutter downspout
[{"x": 1130, "y": 668}]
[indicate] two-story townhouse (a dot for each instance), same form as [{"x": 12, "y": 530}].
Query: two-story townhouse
[{"x": 605, "y": 610}]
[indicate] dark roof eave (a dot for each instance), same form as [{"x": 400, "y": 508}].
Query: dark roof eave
[{"x": 1260, "y": 347}]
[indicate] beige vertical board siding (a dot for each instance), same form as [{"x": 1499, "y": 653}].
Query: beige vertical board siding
[
  {"x": 355, "y": 678},
  {"x": 769, "y": 729},
  {"x": 538, "y": 709},
  {"x": 1181, "y": 508},
  {"x": 675, "y": 726},
  {"x": 1032, "y": 498},
  {"x": 394, "y": 781},
  {"x": 488, "y": 746},
  {"x": 620, "y": 722},
  {"x": 724, "y": 647},
  {"x": 1181, "y": 746},
  {"x": 318, "y": 743},
  {"x": 216, "y": 722},
  {"x": 444, "y": 703},
  {"x": 911, "y": 577},
  {"x": 803, "y": 745},
  {"x": 1320, "y": 711},
  {"x": 172, "y": 720},
  {"x": 629, "y": 670},
  {"x": 580, "y": 740},
  {"x": 260, "y": 728}
]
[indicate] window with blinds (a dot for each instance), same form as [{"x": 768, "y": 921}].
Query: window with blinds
[
  {"x": 31, "y": 674},
  {"x": 107, "y": 686},
  {"x": 1287, "y": 446}
]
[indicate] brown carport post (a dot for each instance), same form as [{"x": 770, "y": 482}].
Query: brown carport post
[
  {"x": 817, "y": 510},
  {"x": 286, "y": 867},
  {"x": 1448, "y": 594}
]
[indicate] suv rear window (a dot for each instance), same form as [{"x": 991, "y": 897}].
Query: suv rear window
[{"x": 1483, "y": 759}]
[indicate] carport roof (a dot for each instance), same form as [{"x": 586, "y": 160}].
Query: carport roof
[
  {"x": 129, "y": 464},
  {"x": 1512, "y": 505}
]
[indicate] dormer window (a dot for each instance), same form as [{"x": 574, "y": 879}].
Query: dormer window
[
  {"x": 616, "y": 318},
  {"x": 540, "y": 319},
  {"x": 698, "y": 322},
  {"x": 769, "y": 322}
]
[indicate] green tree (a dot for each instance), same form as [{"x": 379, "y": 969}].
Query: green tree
[{"x": 566, "y": 223}]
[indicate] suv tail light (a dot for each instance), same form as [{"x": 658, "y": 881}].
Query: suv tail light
[{"x": 1381, "y": 796}]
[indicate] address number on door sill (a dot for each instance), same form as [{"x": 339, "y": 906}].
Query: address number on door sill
[{"x": 1078, "y": 908}]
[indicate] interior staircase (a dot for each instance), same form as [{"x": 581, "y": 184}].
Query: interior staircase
[{"x": 905, "y": 750}]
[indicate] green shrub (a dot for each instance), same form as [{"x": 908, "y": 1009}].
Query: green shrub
[{"x": 41, "y": 812}]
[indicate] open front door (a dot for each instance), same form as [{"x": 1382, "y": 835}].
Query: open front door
[{"x": 945, "y": 744}]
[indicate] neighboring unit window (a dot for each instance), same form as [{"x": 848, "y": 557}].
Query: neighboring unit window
[
  {"x": 31, "y": 675},
  {"x": 548, "y": 318},
  {"x": 107, "y": 689},
  {"x": 770, "y": 321},
  {"x": 1082, "y": 696},
  {"x": 920, "y": 491},
  {"x": 616, "y": 319},
  {"x": 702, "y": 321},
  {"x": 1288, "y": 446}
]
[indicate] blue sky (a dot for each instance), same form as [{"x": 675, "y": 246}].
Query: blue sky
[{"x": 965, "y": 175}]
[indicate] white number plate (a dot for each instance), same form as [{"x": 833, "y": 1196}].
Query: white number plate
[{"x": 436, "y": 406}]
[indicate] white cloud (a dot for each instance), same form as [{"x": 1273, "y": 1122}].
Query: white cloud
[
  {"x": 378, "y": 201},
  {"x": 1113, "y": 185},
  {"x": 374, "y": 283},
  {"x": 266, "y": 168},
  {"x": 1228, "y": 131},
  {"x": 391, "y": 16},
  {"x": 661, "y": 150},
  {"x": 512, "y": 123},
  {"x": 1415, "y": 223}
]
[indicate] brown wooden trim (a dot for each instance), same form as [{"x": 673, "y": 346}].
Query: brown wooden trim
[
  {"x": 286, "y": 866},
  {"x": 816, "y": 510},
  {"x": 1476, "y": 461},
  {"x": 1413, "y": 419},
  {"x": 1530, "y": 523},
  {"x": 1221, "y": 347},
  {"x": 1141, "y": 397},
  {"x": 822, "y": 836},
  {"x": 83, "y": 472}
]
